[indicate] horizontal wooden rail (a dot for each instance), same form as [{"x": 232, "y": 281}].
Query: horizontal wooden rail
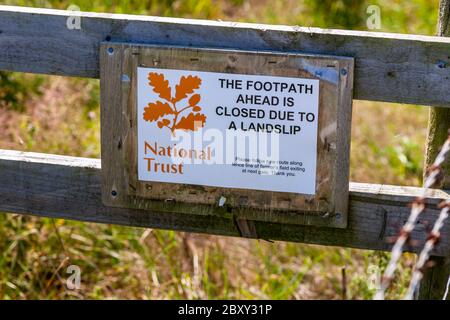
[
  {"x": 388, "y": 67},
  {"x": 69, "y": 187}
]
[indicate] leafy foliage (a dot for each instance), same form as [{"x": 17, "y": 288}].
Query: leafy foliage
[{"x": 16, "y": 89}]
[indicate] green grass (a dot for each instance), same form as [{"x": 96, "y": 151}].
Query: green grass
[{"x": 121, "y": 262}]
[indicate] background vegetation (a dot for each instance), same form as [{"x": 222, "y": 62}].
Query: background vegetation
[{"x": 120, "y": 262}]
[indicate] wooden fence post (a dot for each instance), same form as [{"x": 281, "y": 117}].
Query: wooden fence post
[{"x": 435, "y": 279}]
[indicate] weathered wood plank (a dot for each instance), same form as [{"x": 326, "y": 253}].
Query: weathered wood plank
[
  {"x": 389, "y": 67},
  {"x": 435, "y": 279},
  {"x": 434, "y": 282},
  {"x": 69, "y": 188}
]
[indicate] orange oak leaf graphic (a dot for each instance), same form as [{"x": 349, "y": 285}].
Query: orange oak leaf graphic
[
  {"x": 156, "y": 110},
  {"x": 186, "y": 86},
  {"x": 160, "y": 85},
  {"x": 167, "y": 113},
  {"x": 191, "y": 122}
]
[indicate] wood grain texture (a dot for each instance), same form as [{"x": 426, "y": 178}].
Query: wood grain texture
[
  {"x": 434, "y": 282},
  {"x": 435, "y": 279},
  {"x": 69, "y": 188},
  {"x": 439, "y": 118},
  {"x": 389, "y": 67},
  {"x": 328, "y": 207}
]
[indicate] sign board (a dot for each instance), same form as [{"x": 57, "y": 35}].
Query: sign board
[
  {"x": 227, "y": 130},
  {"x": 254, "y": 135}
]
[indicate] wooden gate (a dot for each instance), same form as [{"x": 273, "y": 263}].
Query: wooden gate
[{"x": 397, "y": 68}]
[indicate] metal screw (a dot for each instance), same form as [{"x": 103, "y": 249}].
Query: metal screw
[
  {"x": 441, "y": 64},
  {"x": 125, "y": 78},
  {"x": 110, "y": 50},
  {"x": 338, "y": 216},
  {"x": 343, "y": 71},
  {"x": 114, "y": 193}
]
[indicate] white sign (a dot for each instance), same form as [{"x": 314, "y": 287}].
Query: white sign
[{"x": 227, "y": 130}]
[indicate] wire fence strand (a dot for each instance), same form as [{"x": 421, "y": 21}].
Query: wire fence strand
[
  {"x": 433, "y": 238},
  {"x": 434, "y": 175}
]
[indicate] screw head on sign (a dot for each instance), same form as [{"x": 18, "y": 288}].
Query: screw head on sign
[
  {"x": 110, "y": 50},
  {"x": 344, "y": 71},
  {"x": 114, "y": 193},
  {"x": 441, "y": 64},
  {"x": 125, "y": 78}
]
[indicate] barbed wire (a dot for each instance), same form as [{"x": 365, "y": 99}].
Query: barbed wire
[
  {"x": 432, "y": 240},
  {"x": 446, "y": 289},
  {"x": 433, "y": 176}
]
